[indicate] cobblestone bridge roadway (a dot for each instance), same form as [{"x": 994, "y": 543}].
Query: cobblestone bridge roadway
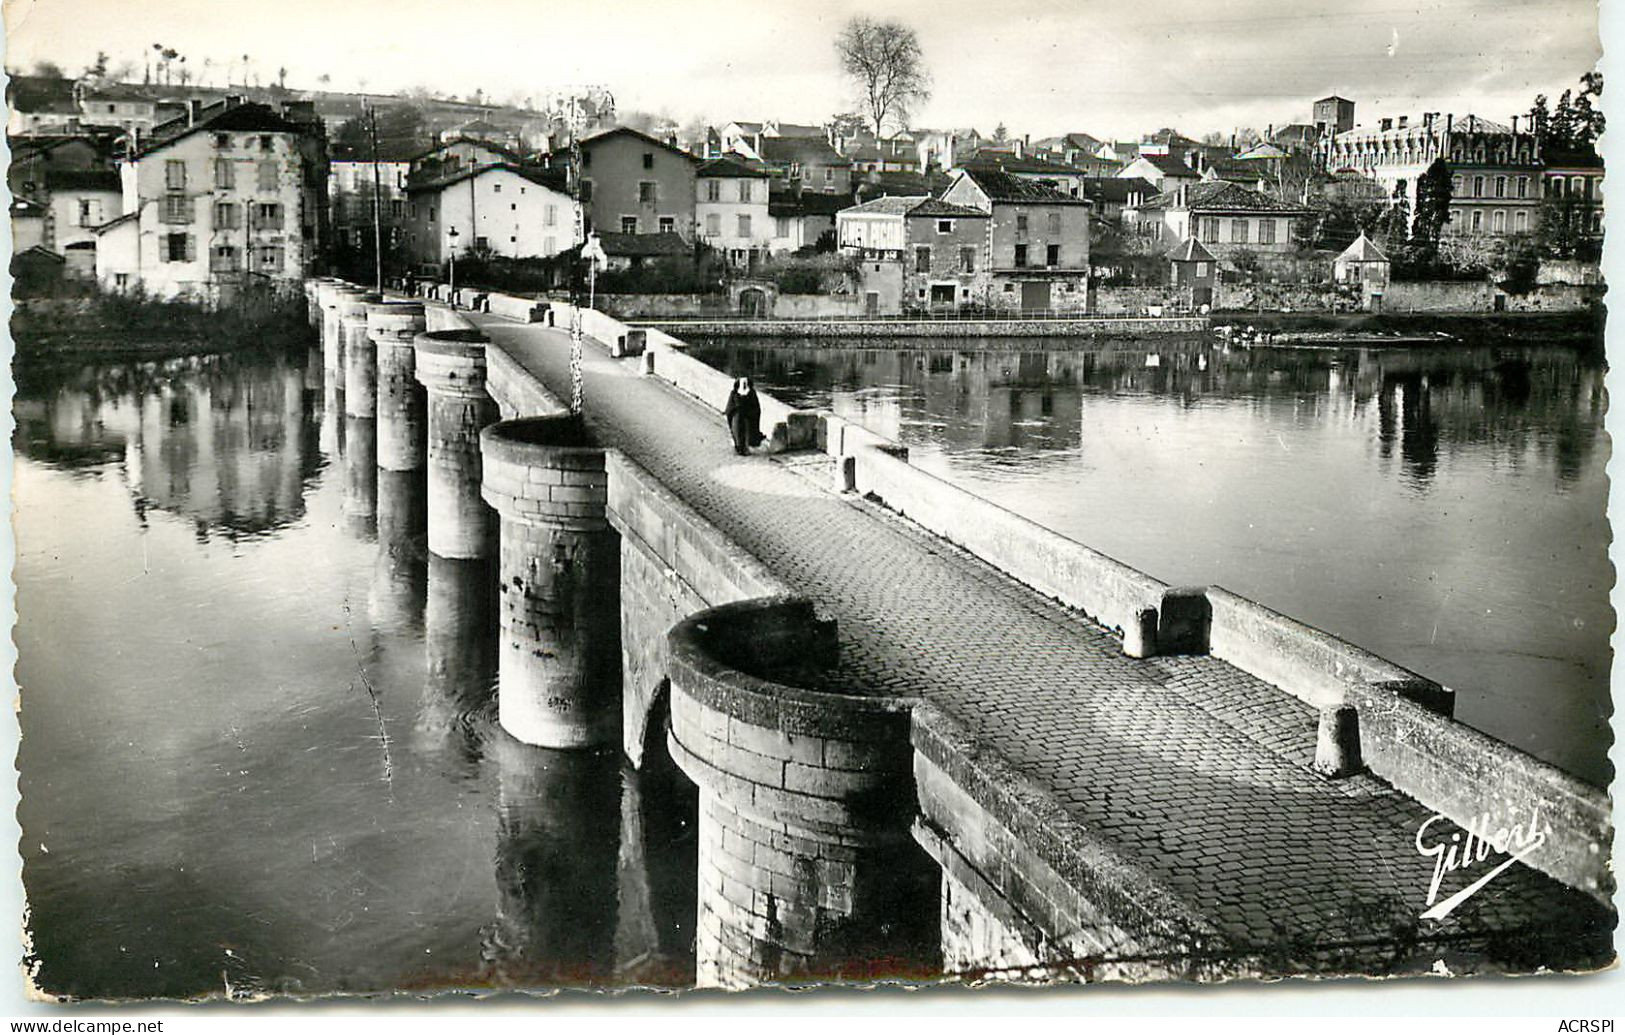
[{"x": 1195, "y": 769}]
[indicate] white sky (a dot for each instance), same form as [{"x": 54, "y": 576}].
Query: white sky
[{"x": 1106, "y": 67}]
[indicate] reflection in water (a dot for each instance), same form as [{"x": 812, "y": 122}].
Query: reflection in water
[
  {"x": 1445, "y": 508},
  {"x": 307, "y": 791},
  {"x": 361, "y": 476}
]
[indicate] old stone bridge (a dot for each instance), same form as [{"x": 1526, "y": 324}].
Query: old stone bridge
[{"x": 914, "y": 718}]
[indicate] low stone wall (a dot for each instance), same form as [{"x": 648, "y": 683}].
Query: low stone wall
[
  {"x": 525, "y": 310},
  {"x": 1438, "y": 296},
  {"x": 636, "y": 307},
  {"x": 1313, "y": 666},
  {"x": 1556, "y": 298},
  {"x": 439, "y": 316},
  {"x": 945, "y": 331},
  {"x": 1030, "y": 894},
  {"x": 1106, "y": 590},
  {"x": 1134, "y": 300},
  {"x": 674, "y": 563},
  {"x": 1482, "y": 784}
]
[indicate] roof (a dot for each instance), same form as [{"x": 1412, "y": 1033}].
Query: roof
[
  {"x": 119, "y": 221},
  {"x": 1018, "y": 164},
  {"x": 488, "y": 145},
  {"x": 806, "y": 150},
  {"x": 1334, "y": 97},
  {"x": 748, "y": 127},
  {"x": 82, "y": 179},
  {"x": 1581, "y": 158},
  {"x": 1191, "y": 250},
  {"x": 1221, "y": 196},
  {"x": 1362, "y": 250},
  {"x": 541, "y": 177},
  {"x": 37, "y": 253},
  {"x": 1475, "y": 124},
  {"x": 644, "y": 246},
  {"x": 736, "y": 167},
  {"x": 1300, "y": 132},
  {"x": 1168, "y": 165},
  {"x": 915, "y": 205},
  {"x": 248, "y": 117},
  {"x": 808, "y": 204},
  {"x": 1115, "y": 188},
  {"x": 646, "y": 138},
  {"x": 388, "y": 151},
  {"x": 1261, "y": 151},
  {"x": 1002, "y": 187},
  {"x": 790, "y": 129},
  {"x": 1233, "y": 169}
]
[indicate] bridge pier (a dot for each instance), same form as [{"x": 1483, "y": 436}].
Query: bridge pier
[
  {"x": 559, "y": 567},
  {"x": 360, "y": 357},
  {"x": 393, "y": 327},
  {"x": 398, "y": 575},
  {"x": 806, "y": 866},
  {"x": 328, "y": 296},
  {"x": 451, "y": 367}
]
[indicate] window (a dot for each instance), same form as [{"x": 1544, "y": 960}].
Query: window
[
  {"x": 744, "y": 225},
  {"x": 550, "y": 246},
  {"x": 268, "y": 258},
  {"x": 713, "y": 224},
  {"x": 1201, "y": 269},
  {"x": 267, "y": 175},
  {"x": 223, "y": 178},
  {"x": 1500, "y": 221},
  {"x": 1523, "y": 186},
  {"x": 744, "y": 190},
  {"x": 1500, "y": 186},
  {"x": 1055, "y": 224},
  {"x": 221, "y": 140},
  {"x": 1478, "y": 186},
  {"x": 922, "y": 259},
  {"x": 267, "y": 216},
  {"x": 967, "y": 260},
  {"x": 1478, "y": 220},
  {"x": 648, "y": 192},
  {"x": 90, "y": 212},
  {"x": 1021, "y": 222},
  {"x": 1021, "y": 256},
  {"x": 1238, "y": 231},
  {"x": 431, "y": 213},
  {"x": 412, "y": 211},
  {"x": 945, "y": 226},
  {"x": 121, "y": 281},
  {"x": 586, "y": 191},
  {"x": 586, "y": 159},
  {"x": 1266, "y": 231},
  {"x": 668, "y": 224},
  {"x": 629, "y": 224},
  {"x": 1522, "y": 221},
  {"x": 178, "y": 248},
  {"x": 175, "y": 175},
  {"x": 482, "y": 243},
  {"x": 223, "y": 259},
  {"x": 1210, "y": 229},
  {"x": 1576, "y": 186},
  {"x": 1455, "y": 186},
  {"x": 713, "y": 190},
  {"x": 267, "y": 142},
  {"x": 513, "y": 206},
  {"x": 496, "y": 188},
  {"x": 829, "y": 175},
  {"x": 552, "y": 216},
  {"x": 177, "y": 208},
  {"x": 781, "y": 226},
  {"x": 648, "y": 160},
  {"x": 225, "y": 215},
  {"x": 1052, "y": 255},
  {"x": 397, "y": 208}
]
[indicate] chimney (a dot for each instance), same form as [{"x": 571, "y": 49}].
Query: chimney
[
  {"x": 1386, "y": 124},
  {"x": 1514, "y": 124},
  {"x": 1402, "y": 120},
  {"x": 1016, "y": 146},
  {"x": 193, "y": 108}
]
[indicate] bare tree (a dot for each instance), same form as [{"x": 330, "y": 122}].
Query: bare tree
[{"x": 883, "y": 60}]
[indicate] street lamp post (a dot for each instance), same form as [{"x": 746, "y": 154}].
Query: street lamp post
[{"x": 452, "y": 235}]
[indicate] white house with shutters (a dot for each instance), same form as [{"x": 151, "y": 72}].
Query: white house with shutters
[{"x": 225, "y": 195}]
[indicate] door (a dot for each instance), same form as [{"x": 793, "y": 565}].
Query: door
[
  {"x": 871, "y": 303},
  {"x": 753, "y": 302},
  {"x": 942, "y": 296},
  {"x": 1034, "y": 296}
]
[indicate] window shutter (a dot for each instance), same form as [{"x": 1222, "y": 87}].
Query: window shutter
[{"x": 191, "y": 248}]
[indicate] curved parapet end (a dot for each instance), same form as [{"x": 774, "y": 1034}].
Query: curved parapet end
[
  {"x": 559, "y": 662},
  {"x": 806, "y": 869},
  {"x": 450, "y": 365}
]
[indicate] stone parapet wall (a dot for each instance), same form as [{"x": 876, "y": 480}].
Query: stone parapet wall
[
  {"x": 1485, "y": 785},
  {"x": 784, "y": 426},
  {"x": 515, "y": 392}
]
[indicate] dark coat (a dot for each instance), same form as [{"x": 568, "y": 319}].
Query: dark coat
[{"x": 744, "y": 416}]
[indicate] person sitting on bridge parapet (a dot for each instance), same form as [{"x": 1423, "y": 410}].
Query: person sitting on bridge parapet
[{"x": 744, "y": 416}]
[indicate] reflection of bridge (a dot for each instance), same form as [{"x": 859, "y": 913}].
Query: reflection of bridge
[{"x": 950, "y": 741}]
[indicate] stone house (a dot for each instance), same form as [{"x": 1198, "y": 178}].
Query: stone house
[
  {"x": 731, "y": 209},
  {"x": 806, "y": 164},
  {"x": 508, "y": 210},
  {"x": 1226, "y": 217},
  {"x": 632, "y": 183},
  {"x": 1193, "y": 272},
  {"x": 802, "y": 220},
  {"x": 940, "y": 250},
  {"x": 350, "y": 188},
  {"x": 1165, "y": 172},
  {"x": 231, "y": 191},
  {"x": 1364, "y": 267},
  {"x": 631, "y": 251},
  {"x": 1038, "y": 240},
  {"x": 1575, "y": 177}
]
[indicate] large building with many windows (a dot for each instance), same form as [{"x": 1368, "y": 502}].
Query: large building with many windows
[
  {"x": 1495, "y": 171},
  {"x": 229, "y": 193}
]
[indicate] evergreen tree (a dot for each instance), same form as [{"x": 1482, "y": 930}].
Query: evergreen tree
[{"x": 1432, "y": 204}]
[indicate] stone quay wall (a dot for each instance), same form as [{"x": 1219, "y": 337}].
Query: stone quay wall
[{"x": 945, "y": 331}]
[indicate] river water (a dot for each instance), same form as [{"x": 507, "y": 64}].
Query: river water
[
  {"x": 259, "y": 751},
  {"x": 258, "y": 740},
  {"x": 1445, "y": 508}
]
